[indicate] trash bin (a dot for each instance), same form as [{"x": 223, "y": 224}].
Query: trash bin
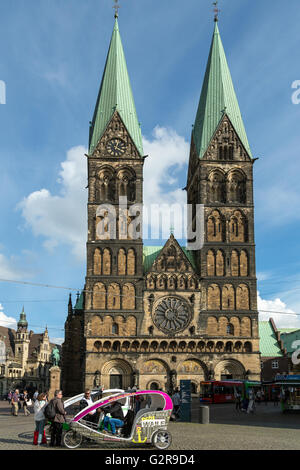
[{"x": 204, "y": 414}]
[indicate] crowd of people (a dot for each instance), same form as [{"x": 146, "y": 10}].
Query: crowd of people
[
  {"x": 38, "y": 404},
  {"x": 248, "y": 403}
]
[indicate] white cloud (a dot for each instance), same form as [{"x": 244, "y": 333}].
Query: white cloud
[
  {"x": 7, "y": 322},
  {"x": 266, "y": 309},
  {"x": 10, "y": 268},
  {"x": 61, "y": 219},
  {"x": 168, "y": 155}
]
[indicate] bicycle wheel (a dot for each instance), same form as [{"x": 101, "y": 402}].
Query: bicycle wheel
[
  {"x": 162, "y": 440},
  {"x": 72, "y": 439}
]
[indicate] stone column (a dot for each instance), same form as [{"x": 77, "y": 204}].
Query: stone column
[{"x": 55, "y": 373}]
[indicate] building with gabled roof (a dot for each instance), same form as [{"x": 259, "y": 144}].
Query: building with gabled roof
[
  {"x": 274, "y": 357},
  {"x": 24, "y": 358}
]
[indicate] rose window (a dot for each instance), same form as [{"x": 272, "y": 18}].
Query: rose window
[{"x": 172, "y": 314}]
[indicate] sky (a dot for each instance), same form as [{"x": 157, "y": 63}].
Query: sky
[{"x": 52, "y": 56}]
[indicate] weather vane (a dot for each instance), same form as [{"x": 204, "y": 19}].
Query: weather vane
[
  {"x": 216, "y": 10},
  {"x": 116, "y": 7}
]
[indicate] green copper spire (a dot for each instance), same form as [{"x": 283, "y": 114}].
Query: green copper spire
[
  {"x": 217, "y": 98},
  {"x": 22, "y": 323},
  {"x": 115, "y": 95}
]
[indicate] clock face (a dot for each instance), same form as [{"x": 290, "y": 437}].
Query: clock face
[{"x": 116, "y": 147}]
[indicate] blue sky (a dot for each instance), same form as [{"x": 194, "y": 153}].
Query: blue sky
[{"x": 52, "y": 55}]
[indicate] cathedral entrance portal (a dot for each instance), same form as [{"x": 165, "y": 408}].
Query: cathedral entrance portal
[
  {"x": 117, "y": 374},
  {"x": 116, "y": 381}
]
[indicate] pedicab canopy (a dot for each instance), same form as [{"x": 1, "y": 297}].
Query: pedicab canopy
[{"x": 156, "y": 397}]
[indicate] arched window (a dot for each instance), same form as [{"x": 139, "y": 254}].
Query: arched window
[
  {"x": 131, "y": 262},
  {"x": 99, "y": 296},
  {"x": 216, "y": 187},
  {"x": 238, "y": 228},
  {"x": 128, "y": 297},
  {"x": 114, "y": 297},
  {"x": 115, "y": 329},
  {"x": 215, "y": 227},
  {"x": 211, "y": 263},
  {"x": 236, "y": 187},
  {"x": 213, "y": 297},
  {"x": 97, "y": 262},
  {"x": 242, "y": 297},
  {"x": 234, "y": 263},
  {"x": 244, "y": 263},
  {"x": 230, "y": 329},
  {"x": 228, "y": 297},
  {"x": 220, "y": 263},
  {"x": 121, "y": 262},
  {"x": 106, "y": 262}
]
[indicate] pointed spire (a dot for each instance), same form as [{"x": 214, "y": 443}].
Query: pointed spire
[
  {"x": 217, "y": 99},
  {"x": 115, "y": 95},
  {"x": 70, "y": 306}
]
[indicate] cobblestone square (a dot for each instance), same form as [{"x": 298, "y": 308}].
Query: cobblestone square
[{"x": 266, "y": 429}]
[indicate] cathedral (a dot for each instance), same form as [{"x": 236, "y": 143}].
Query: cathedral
[{"x": 150, "y": 316}]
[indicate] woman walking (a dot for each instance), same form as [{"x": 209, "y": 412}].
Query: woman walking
[
  {"x": 39, "y": 416},
  {"x": 26, "y": 403}
]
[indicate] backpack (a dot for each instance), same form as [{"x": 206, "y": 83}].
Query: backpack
[{"x": 49, "y": 410}]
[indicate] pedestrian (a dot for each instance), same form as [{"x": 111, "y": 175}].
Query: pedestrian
[
  {"x": 39, "y": 416},
  {"x": 9, "y": 397},
  {"x": 275, "y": 397},
  {"x": 258, "y": 397},
  {"x": 15, "y": 402},
  {"x": 251, "y": 406},
  {"x": 238, "y": 401},
  {"x": 26, "y": 403},
  {"x": 59, "y": 419},
  {"x": 176, "y": 403}
]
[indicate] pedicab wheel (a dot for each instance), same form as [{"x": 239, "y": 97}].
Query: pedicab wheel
[
  {"x": 72, "y": 439},
  {"x": 162, "y": 440}
]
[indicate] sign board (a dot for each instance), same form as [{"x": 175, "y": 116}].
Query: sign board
[{"x": 186, "y": 400}]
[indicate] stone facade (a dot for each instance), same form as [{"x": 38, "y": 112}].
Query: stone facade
[{"x": 186, "y": 317}]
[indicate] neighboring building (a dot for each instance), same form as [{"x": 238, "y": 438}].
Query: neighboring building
[
  {"x": 274, "y": 358},
  {"x": 151, "y": 316},
  {"x": 24, "y": 358},
  {"x": 289, "y": 337}
]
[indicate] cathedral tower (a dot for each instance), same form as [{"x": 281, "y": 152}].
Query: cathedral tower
[
  {"x": 114, "y": 281},
  {"x": 221, "y": 178}
]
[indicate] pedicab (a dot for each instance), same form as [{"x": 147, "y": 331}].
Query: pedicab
[
  {"x": 74, "y": 404},
  {"x": 146, "y": 417}
]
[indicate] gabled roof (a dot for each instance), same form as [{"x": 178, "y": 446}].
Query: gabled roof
[
  {"x": 269, "y": 345},
  {"x": 150, "y": 253},
  {"x": 115, "y": 95},
  {"x": 217, "y": 99}
]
